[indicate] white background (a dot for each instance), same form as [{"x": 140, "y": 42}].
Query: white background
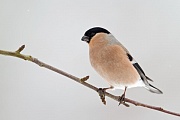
[{"x": 51, "y": 31}]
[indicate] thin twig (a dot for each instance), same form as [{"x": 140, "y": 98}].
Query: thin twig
[{"x": 79, "y": 80}]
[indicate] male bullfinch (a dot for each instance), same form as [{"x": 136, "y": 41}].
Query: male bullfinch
[{"x": 114, "y": 63}]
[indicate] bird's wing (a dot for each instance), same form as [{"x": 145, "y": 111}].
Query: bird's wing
[
  {"x": 143, "y": 76},
  {"x": 134, "y": 63},
  {"x": 138, "y": 68}
]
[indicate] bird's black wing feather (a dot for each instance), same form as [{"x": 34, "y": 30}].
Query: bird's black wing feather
[
  {"x": 139, "y": 69},
  {"x": 144, "y": 78}
]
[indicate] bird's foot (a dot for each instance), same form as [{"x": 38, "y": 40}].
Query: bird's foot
[
  {"x": 122, "y": 100},
  {"x": 101, "y": 92}
]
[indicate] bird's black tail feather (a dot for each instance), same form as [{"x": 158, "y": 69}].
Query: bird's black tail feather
[{"x": 153, "y": 89}]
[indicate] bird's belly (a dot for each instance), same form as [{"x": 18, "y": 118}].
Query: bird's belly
[{"x": 118, "y": 73}]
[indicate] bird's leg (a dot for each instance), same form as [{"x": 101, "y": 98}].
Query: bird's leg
[
  {"x": 101, "y": 92},
  {"x": 121, "y": 98}
]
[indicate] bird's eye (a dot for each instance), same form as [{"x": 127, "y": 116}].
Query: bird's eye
[{"x": 92, "y": 34}]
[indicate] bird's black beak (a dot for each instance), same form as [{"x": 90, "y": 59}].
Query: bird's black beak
[{"x": 85, "y": 38}]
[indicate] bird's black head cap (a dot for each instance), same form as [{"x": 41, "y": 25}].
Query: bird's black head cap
[{"x": 92, "y": 32}]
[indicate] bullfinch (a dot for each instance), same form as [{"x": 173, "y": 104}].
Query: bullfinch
[{"x": 114, "y": 63}]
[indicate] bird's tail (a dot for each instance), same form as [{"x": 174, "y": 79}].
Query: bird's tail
[{"x": 153, "y": 89}]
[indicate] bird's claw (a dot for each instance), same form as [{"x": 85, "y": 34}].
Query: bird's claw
[
  {"x": 101, "y": 93},
  {"x": 122, "y": 100}
]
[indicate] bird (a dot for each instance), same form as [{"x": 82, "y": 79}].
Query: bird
[{"x": 114, "y": 63}]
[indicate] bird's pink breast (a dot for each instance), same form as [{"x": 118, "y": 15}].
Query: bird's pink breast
[{"x": 112, "y": 63}]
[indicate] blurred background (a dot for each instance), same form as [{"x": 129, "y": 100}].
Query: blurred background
[{"x": 51, "y": 31}]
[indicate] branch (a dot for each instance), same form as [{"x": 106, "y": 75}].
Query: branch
[{"x": 82, "y": 81}]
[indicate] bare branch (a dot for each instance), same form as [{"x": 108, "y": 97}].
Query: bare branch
[{"x": 79, "y": 80}]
